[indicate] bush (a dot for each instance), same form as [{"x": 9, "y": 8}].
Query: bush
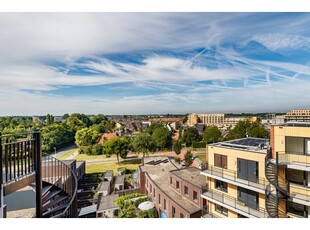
[
  {"x": 97, "y": 149},
  {"x": 200, "y": 144},
  {"x": 177, "y": 160}
]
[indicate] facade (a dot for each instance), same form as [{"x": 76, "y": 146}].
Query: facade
[
  {"x": 289, "y": 171},
  {"x": 235, "y": 179},
  {"x": 176, "y": 193},
  {"x": 298, "y": 116}
]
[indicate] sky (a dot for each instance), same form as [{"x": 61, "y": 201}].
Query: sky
[{"x": 153, "y": 63}]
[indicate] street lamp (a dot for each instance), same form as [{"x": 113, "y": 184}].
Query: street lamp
[{"x": 55, "y": 151}]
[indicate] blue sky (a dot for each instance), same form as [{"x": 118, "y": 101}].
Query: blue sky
[{"x": 146, "y": 63}]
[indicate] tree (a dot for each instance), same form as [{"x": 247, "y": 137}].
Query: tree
[
  {"x": 185, "y": 119},
  {"x": 247, "y": 128},
  {"x": 49, "y": 119},
  {"x": 177, "y": 147},
  {"x": 117, "y": 146},
  {"x": 212, "y": 134},
  {"x": 143, "y": 143},
  {"x": 188, "y": 158},
  {"x": 190, "y": 135},
  {"x": 97, "y": 119},
  {"x": 65, "y": 116},
  {"x": 86, "y": 137},
  {"x": 153, "y": 127},
  {"x": 74, "y": 123},
  {"x": 162, "y": 137}
]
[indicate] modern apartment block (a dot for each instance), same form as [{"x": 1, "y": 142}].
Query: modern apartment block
[
  {"x": 288, "y": 170},
  {"x": 235, "y": 179},
  {"x": 297, "y": 116},
  {"x": 175, "y": 192},
  {"x": 32, "y": 185}
]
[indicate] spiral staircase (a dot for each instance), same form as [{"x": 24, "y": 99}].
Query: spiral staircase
[
  {"x": 277, "y": 190},
  {"x": 54, "y": 182}
]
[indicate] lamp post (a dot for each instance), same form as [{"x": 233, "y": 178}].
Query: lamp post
[{"x": 55, "y": 151}]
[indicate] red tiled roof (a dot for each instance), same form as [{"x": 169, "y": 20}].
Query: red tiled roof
[{"x": 107, "y": 136}]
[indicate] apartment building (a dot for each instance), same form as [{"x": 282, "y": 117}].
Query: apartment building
[
  {"x": 288, "y": 170},
  {"x": 235, "y": 179},
  {"x": 298, "y": 116},
  {"x": 175, "y": 192}
]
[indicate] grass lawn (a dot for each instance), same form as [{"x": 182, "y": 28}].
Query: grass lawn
[
  {"x": 84, "y": 157},
  {"x": 202, "y": 157},
  {"x": 67, "y": 154},
  {"x": 129, "y": 164}
]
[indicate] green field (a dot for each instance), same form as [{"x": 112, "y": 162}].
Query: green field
[
  {"x": 84, "y": 157},
  {"x": 202, "y": 157},
  {"x": 67, "y": 154},
  {"x": 129, "y": 164}
]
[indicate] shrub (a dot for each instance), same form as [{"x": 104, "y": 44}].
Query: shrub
[{"x": 177, "y": 160}]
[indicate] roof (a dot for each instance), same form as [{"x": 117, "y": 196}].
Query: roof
[
  {"x": 200, "y": 127},
  {"x": 249, "y": 143},
  {"x": 108, "y": 173},
  {"x": 88, "y": 210},
  {"x": 191, "y": 175},
  {"x": 120, "y": 179},
  {"x": 107, "y": 136},
  {"x": 107, "y": 202},
  {"x": 295, "y": 124},
  {"x": 159, "y": 170},
  {"x": 105, "y": 185}
]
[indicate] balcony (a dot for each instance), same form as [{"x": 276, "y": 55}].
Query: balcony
[
  {"x": 207, "y": 214},
  {"x": 294, "y": 160},
  {"x": 231, "y": 177},
  {"x": 233, "y": 204},
  {"x": 300, "y": 194}
]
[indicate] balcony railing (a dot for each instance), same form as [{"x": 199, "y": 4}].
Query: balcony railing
[
  {"x": 205, "y": 213},
  {"x": 294, "y": 157},
  {"x": 300, "y": 192},
  {"x": 231, "y": 175},
  {"x": 235, "y": 203}
]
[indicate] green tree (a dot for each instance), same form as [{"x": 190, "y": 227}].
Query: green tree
[
  {"x": 97, "y": 119},
  {"x": 162, "y": 137},
  {"x": 212, "y": 134},
  {"x": 153, "y": 127},
  {"x": 247, "y": 128},
  {"x": 143, "y": 143},
  {"x": 190, "y": 135},
  {"x": 75, "y": 123},
  {"x": 86, "y": 137},
  {"x": 188, "y": 158},
  {"x": 177, "y": 147},
  {"x": 118, "y": 146}
]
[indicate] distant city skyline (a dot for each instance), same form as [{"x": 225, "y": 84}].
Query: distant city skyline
[{"x": 153, "y": 63}]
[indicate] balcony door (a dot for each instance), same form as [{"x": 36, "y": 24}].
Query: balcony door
[
  {"x": 247, "y": 170},
  {"x": 307, "y": 146}
]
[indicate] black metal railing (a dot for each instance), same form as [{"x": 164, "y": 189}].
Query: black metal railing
[
  {"x": 232, "y": 175},
  {"x": 17, "y": 156},
  {"x": 61, "y": 175},
  {"x": 205, "y": 213},
  {"x": 233, "y": 202}
]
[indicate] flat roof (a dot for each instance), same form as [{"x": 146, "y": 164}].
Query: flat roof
[
  {"x": 191, "y": 175},
  {"x": 105, "y": 185},
  {"x": 120, "y": 179},
  {"x": 108, "y": 173},
  {"x": 252, "y": 144},
  {"x": 159, "y": 169},
  {"x": 107, "y": 202},
  {"x": 295, "y": 124}
]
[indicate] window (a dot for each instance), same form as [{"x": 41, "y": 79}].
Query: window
[
  {"x": 178, "y": 184},
  {"x": 195, "y": 195},
  {"x": 170, "y": 180},
  {"x": 186, "y": 190},
  {"x": 220, "y": 161},
  {"x": 158, "y": 198},
  {"x": 173, "y": 211},
  {"x": 247, "y": 170},
  {"x": 165, "y": 204},
  {"x": 181, "y": 215},
  {"x": 221, "y": 209},
  {"x": 150, "y": 188},
  {"x": 247, "y": 198},
  {"x": 221, "y": 185},
  {"x": 154, "y": 195}
]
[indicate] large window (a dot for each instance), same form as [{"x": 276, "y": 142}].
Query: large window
[
  {"x": 185, "y": 190},
  {"x": 220, "y": 161},
  {"x": 221, "y": 209},
  {"x": 247, "y": 170},
  {"x": 221, "y": 185},
  {"x": 248, "y": 198}
]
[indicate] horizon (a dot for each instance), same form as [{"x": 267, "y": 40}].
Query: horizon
[{"x": 153, "y": 63}]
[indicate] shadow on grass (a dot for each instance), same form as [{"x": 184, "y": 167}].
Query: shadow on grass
[{"x": 130, "y": 161}]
